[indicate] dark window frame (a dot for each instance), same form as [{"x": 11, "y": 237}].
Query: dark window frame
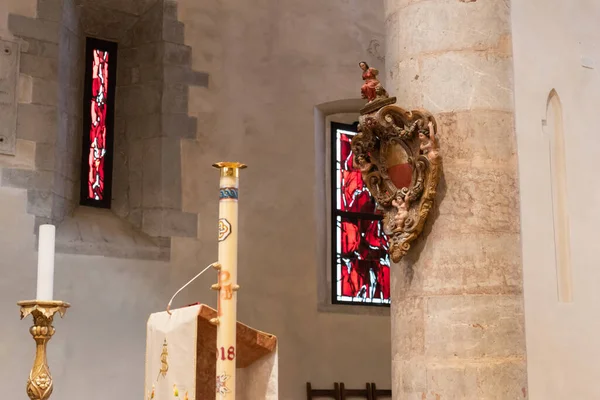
[
  {"x": 112, "y": 47},
  {"x": 335, "y": 213}
]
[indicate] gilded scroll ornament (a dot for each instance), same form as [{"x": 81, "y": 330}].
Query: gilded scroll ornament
[{"x": 398, "y": 153}]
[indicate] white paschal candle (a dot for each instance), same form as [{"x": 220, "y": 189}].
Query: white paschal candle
[
  {"x": 228, "y": 259},
  {"x": 45, "y": 280}
]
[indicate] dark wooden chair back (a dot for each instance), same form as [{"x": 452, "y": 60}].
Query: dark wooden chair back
[
  {"x": 339, "y": 392},
  {"x": 356, "y": 393},
  {"x": 334, "y": 393},
  {"x": 378, "y": 394}
]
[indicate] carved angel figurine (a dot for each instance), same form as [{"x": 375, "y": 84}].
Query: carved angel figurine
[
  {"x": 401, "y": 204},
  {"x": 430, "y": 146},
  {"x": 361, "y": 162},
  {"x": 372, "y": 88}
]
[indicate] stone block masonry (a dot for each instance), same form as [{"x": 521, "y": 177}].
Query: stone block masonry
[
  {"x": 9, "y": 72},
  {"x": 457, "y": 316},
  {"x": 47, "y": 112},
  {"x": 154, "y": 74},
  {"x": 153, "y": 94}
]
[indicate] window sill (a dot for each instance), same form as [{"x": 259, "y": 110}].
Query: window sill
[
  {"x": 98, "y": 232},
  {"x": 378, "y": 311}
]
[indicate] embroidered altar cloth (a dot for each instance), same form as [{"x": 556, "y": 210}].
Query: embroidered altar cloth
[{"x": 181, "y": 362}]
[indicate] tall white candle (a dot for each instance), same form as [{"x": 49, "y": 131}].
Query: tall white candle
[
  {"x": 45, "y": 282},
  {"x": 228, "y": 259}
]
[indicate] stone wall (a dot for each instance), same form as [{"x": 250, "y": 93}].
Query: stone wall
[
  {"x": 49, "y": 110},
  {"x": 151, "y": 116},
  {"x": 457, "y": 318},
  {"x": 67, "y": 149},
  {"x": 270, "y": 63},
  {"x": 555, "y": 49},
  {"x": 154, "y": 75}
]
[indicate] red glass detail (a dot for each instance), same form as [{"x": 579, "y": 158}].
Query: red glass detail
[
  {"x": 364, "y": 261},
  {"x": 363, "y": 272},
  {"x": 97, "y": 149},
  {"x": 355, "y": 196}
]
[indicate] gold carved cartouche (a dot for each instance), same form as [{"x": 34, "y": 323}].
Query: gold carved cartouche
[{"x": 398, "y": 153}]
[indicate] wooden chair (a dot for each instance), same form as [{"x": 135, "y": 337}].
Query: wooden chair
[
  {"x": 377, "y": 394},
  {"x": 354, "y": 393},
  {"x": 334, "y": 393},
  {"x": 339, "y": 392}
]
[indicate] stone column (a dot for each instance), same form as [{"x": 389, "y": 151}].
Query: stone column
[{"x": 457, "y": 312}]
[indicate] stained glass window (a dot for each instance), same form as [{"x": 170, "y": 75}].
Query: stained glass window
[
  {"x": 99, "y": 94},
  {"x": 360, "y": 261}
]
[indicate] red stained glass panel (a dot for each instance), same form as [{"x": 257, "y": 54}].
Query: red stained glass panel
[
  {"x": 353, "y": 195},
  {"x": 97, "y": 129},
  {"x": 361, "y": 261},
  {"x": 363, "y": 265}
]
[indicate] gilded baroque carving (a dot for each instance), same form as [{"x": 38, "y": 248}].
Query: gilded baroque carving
[{"x": 398, "y": 153}]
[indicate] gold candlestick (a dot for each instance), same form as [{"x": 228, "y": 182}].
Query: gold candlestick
[
  {"x": 39, "y": 384},
  {"x": 226, "y": 320}
]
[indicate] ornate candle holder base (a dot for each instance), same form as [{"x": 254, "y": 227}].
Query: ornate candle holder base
[{"x": 39, "y": 384}]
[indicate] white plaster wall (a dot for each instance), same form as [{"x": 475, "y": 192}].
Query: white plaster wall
[
  {"x": 550, "y": 37},
  {"x": 272, "y": 61}
]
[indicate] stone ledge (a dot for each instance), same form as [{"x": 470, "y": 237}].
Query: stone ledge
[
  {"x": 34, "y": 28},
  {"x": 99, "y": 232},
  {"x": 371, "y": 310}
]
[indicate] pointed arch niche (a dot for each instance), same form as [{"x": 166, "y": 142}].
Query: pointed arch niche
[{"x": 558, "y": 168}]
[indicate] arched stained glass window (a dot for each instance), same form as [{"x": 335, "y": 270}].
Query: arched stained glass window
[{"x": 360, "y": 261}]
